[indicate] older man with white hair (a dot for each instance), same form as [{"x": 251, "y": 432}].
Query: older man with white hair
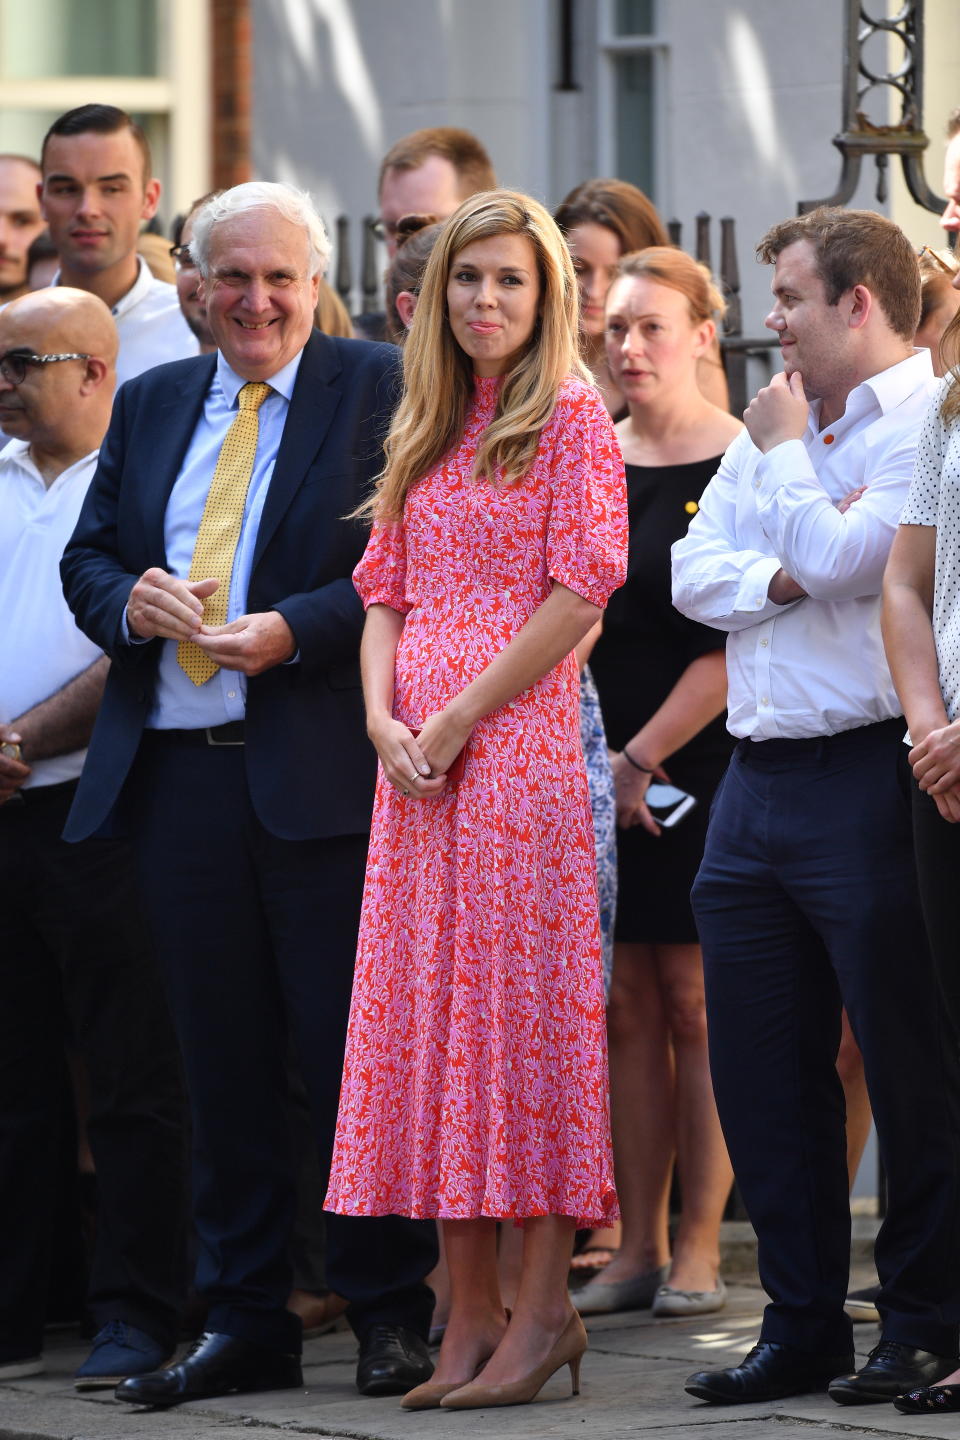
[{"x": 212, "y": 561}]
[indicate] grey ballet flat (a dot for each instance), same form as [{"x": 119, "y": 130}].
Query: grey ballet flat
[
  {"x": 677, "y": 1303},
  {"x": 602, "y": 1298}
]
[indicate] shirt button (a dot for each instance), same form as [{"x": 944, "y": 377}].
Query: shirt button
[
  {"x": 231, "y": 694},
  {"x": 756, "y": 484},
  {"x": 764, "y": 642},
  {"x": 764, "y": 700}
]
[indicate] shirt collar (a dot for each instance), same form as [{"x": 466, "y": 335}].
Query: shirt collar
[
  {"x": 231, "y": 383},
  {"x": 884, "y": 391},
  {"x": 141, "y": 286},
  {"x": 895, "y": 384},
  {"x": 17, "y": 452}
]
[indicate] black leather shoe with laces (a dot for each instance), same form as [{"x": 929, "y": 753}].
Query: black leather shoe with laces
[
  {"x": 392, "y": 1361},
  {"x": 892, "y": 1369},
  {"x": 217, "y": 1365},
  {"x": 768, "y": 1372}
]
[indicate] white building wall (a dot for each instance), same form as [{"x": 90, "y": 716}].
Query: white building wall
[{"x": 749, "y": 103}]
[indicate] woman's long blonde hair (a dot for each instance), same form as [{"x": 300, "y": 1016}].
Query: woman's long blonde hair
[{"x": 438, "y": 375}]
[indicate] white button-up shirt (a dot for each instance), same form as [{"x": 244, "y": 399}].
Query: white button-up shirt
[
  {"x": 41, "y": 647},
  {"x": 151, "y": 326},
  {"x": 816, "y": 666}
]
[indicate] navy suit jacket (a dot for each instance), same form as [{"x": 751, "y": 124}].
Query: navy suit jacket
[{"x": 310, "y": 767}]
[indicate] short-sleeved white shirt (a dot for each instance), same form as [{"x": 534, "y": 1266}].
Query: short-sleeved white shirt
[
  {"x": 41, "y": 646},
  {"x": 934, "y": 499}
]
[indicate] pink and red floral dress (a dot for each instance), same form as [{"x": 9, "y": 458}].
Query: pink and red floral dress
[{"x": 475, "y": 1079}]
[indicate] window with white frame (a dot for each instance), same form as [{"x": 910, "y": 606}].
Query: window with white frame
[
  {"x": 631, "y": 77},
  {"x": 149, "y": 57}
]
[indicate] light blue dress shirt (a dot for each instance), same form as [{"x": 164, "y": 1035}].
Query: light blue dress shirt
[{"x": 178, "y": 703}]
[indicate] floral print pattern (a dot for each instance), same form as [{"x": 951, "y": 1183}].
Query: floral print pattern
[{"x": 475, "y": 1077}]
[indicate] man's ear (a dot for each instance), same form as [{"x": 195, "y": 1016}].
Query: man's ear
[
  {"x": 95, "y": 372},
  {"x": 861, "y": 306},
  {"x": 151, "y": 199}
]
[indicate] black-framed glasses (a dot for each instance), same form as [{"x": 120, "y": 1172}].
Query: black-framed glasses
[
  {"x": 183, "y": 257},
  {"x": 13, "y": 365}
]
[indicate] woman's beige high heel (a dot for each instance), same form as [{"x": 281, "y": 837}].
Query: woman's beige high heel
[
  {"x": 428, "y": 1395},
  {"x": 567, "y": 1350}
]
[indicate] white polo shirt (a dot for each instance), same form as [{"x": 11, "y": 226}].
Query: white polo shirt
[{"x": 41, "y": 647}]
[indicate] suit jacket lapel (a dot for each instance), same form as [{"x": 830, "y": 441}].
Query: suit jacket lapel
[
  {"x": 175, "y": 419},
  {"x": 313, "y": 405}
]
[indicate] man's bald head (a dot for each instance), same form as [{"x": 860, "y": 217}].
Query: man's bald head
[
  {"x": 74, "y": 319},
  {"x": 61, "y": 407}
]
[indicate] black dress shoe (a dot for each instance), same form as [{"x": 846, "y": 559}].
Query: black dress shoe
[
  {"x": 769, "y": 1372},
  {"x": 217, "y": 1365},
  {"x": 392, "y": 1361},
  {"x": 891, "y": 1370}
]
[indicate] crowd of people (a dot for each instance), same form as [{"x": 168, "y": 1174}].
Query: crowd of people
[{"x": 389, "y": 725}]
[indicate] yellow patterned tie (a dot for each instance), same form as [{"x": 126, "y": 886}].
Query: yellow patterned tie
[{"x": 216, "y": 543}]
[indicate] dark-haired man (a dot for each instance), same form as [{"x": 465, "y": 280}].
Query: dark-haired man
[
  {"x": 96, "y": 191},
  {"x": 806, "y": 898},
  {"x": 188, "y": 278},
  {"x": 430, "y": 172},
  {"x": 20, "y": 222}
]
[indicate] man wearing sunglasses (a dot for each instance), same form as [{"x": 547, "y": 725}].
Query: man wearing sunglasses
[{"x": 73, "y": 950}]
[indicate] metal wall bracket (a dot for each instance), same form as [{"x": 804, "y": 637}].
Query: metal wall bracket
[{"x": 860, "y": 137}]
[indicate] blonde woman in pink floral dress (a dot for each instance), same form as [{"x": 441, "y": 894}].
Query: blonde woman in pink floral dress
[{"x": 475, "y": 1079}]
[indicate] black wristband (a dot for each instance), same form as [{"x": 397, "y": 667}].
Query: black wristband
[{"x": 629, "y": 758}]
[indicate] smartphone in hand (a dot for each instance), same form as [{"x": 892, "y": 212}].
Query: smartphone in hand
[{"x": 667, "y": 804}]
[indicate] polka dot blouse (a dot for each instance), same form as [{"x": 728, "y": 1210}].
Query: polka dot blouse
[{"x": 934, "y": 499}]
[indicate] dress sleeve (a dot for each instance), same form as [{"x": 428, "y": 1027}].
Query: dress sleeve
[
  {"x": 381, "y": 576},
  {"x": 923, "y": 501},
  {"x": 587, "y": 530}
]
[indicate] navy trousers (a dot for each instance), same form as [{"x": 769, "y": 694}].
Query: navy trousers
[
  {"x": 806, "y": 901},
  {"x": 76, "y": 964},
  {"x": 257, "y": 939}
]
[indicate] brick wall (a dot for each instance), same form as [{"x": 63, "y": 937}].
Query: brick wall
[{"x": 231, "y": 87}]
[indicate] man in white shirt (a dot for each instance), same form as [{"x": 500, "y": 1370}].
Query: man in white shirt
[
  {"x": 96, "y": 191},
  {"x": 73, "y": 949},
  {"x": 806, "y": 899}
]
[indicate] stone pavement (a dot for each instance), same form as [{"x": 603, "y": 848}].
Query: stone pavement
[{"x": 632, "y": 1385}]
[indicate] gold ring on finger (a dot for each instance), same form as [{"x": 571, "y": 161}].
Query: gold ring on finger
[{"x": 414, "y": 777}]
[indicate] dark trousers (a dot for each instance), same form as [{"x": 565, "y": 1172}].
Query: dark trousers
[
  {"x": 257, "y": 937},
  {"x": 74, "y": 959},
  {"x": 937, "y": 843},
  {"x": 807, "y": 900}
]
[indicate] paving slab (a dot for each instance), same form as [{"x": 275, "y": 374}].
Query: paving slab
[{"x": 632, "y": 1386}]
